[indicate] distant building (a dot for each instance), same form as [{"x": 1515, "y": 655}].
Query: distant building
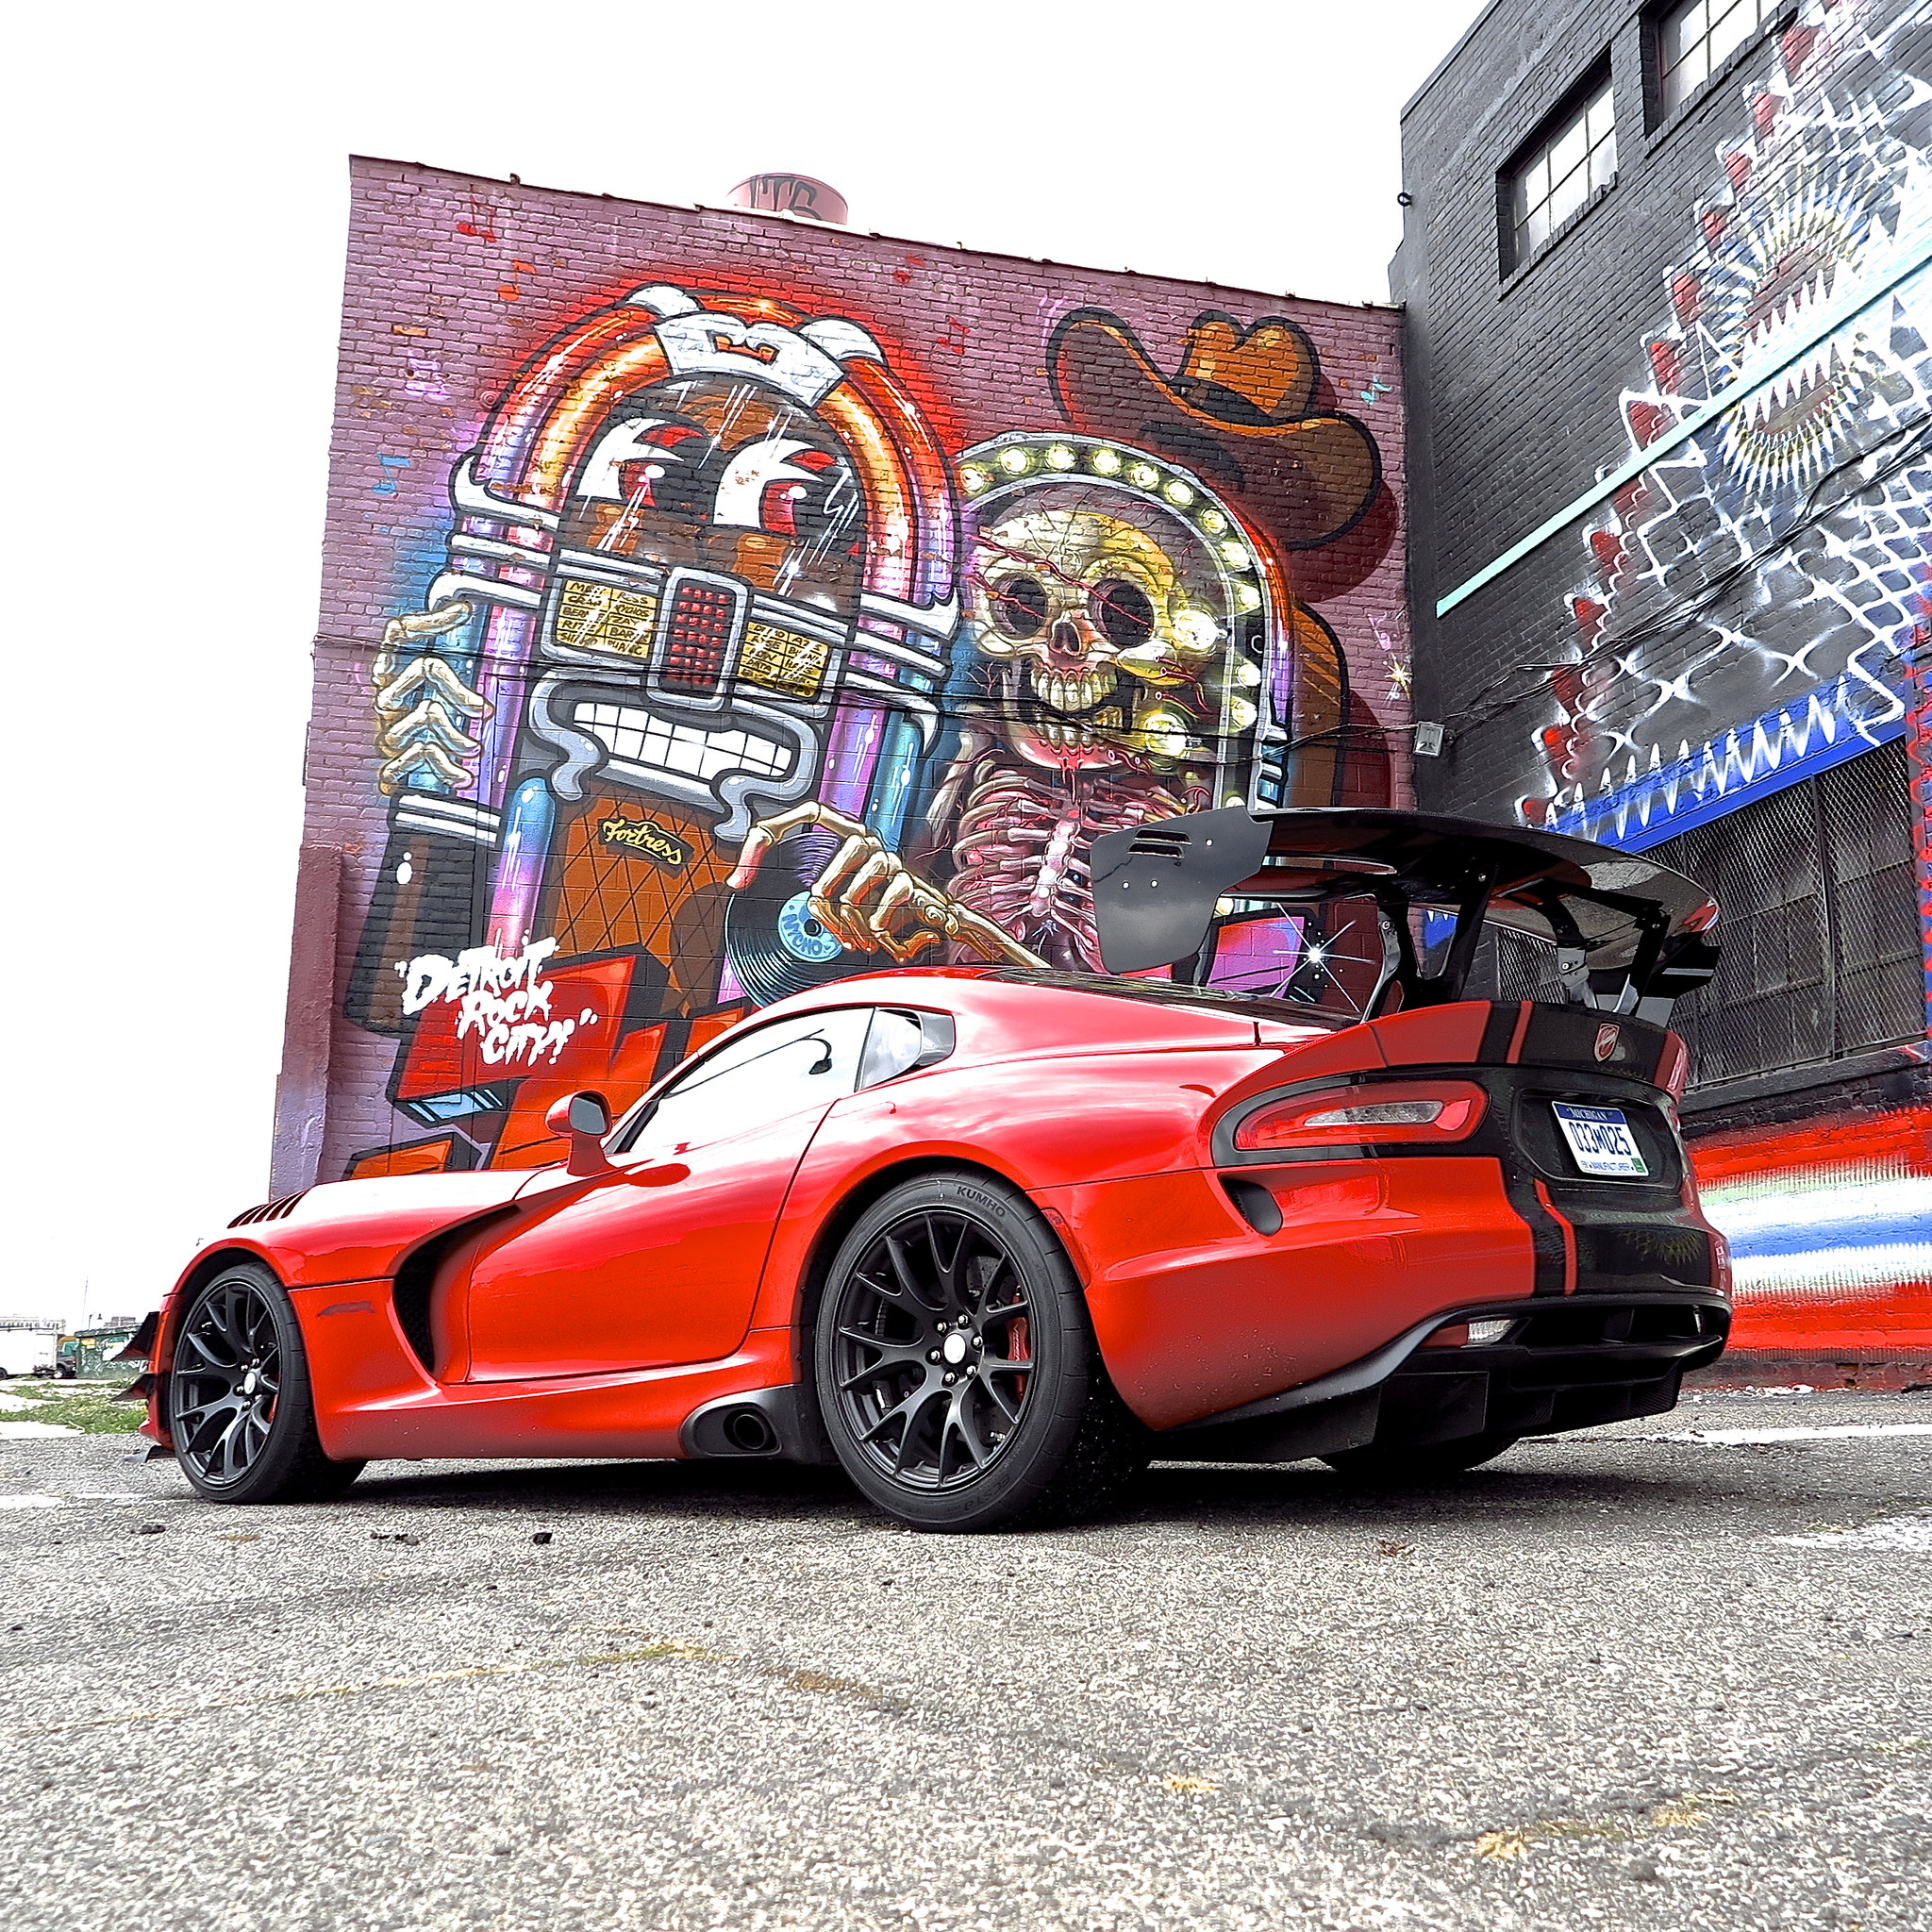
[{"x": 1669, "y": 341}]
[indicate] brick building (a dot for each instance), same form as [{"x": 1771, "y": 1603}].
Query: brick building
[
  {"x": 662, "y": 540},
  {"x": 1669, "y": 343}
]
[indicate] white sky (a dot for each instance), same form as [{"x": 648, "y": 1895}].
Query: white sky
[{"x": 173, "y": 242}]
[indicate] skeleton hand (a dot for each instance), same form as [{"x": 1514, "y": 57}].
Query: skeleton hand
[
  {"x": 867, "y": 900},
  {"x": 419, "y": 700}
]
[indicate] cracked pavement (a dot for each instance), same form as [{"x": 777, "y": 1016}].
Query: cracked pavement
[{"x": 1621, "y": 1679}]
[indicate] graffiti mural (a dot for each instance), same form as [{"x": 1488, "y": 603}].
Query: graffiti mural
[
  {"x": 1830, "y": 1229},
  {"x": 761, "y": 650},
  {"x": 1752, "y": 595}
]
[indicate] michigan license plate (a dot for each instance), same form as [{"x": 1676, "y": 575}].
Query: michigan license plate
[{"x": 1600, "y": 1139}]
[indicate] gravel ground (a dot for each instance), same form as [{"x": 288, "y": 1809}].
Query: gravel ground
[{"x": 1634, "y": 1678}]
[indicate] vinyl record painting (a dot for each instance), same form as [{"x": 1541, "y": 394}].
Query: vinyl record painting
[{"x": 771, "y": 939}]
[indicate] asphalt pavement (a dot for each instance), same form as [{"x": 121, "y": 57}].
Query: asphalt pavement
[{"x": 1676, "y": 1673}]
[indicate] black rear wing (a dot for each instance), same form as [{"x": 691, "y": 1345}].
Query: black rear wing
[{"x": 1623, "y": 934}]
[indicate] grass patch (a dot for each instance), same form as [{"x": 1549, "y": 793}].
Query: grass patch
[{"x": 88, "y": 1407}]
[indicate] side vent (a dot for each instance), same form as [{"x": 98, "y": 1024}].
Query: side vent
[
  {"x": 1255, "y": 1203},
  {"x": 269, "y": 1211}
]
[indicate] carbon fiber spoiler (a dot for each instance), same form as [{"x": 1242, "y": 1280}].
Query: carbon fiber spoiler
[{"x": 1622, "y": 933}]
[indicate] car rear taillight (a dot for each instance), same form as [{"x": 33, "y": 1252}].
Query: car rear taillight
[{"x": 1436, "y": 1110}]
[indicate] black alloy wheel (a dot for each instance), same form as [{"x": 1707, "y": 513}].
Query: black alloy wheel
[
  {"x": 957, "y": 1371},
  {"x": 239, "y": 1408}
]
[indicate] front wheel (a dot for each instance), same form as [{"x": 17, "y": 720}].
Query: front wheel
[
  {"x": 240, "y": 1408},
  {"x": 957, "y": 1368},
  {"x": 1419, "y": 1464}
]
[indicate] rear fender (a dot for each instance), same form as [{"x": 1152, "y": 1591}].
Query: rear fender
[
  {"x": 1037, "y": 1124},
  {"x": 1196, "y": 1312}
]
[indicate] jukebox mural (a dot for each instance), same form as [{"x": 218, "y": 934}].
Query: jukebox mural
[{"x": 736, "y": 674}]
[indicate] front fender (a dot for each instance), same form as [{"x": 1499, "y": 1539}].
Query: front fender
[
  {"x": 360, "y": 1230},
  {"x": 338, "y": 1233}
]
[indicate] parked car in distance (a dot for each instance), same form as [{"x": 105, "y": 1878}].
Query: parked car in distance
[
  {"x": 988, "y": 1238},
  {"x": 89, "y": 1351}
]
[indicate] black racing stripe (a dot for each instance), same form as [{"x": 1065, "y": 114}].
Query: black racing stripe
[
  {"x": 1545, "y": 1230},
  {"x": 1498, "y": 1030}
]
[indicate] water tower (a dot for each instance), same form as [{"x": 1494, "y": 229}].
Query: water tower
[{"x": 790, "y": 194}]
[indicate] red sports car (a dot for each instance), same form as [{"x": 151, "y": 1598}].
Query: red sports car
[{"x": 990, "y": 1239}]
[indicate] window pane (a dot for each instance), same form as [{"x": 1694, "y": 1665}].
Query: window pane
[
  {"x": 1567, "y": 150},
  {"x": 1598, "y": 117},
  {"x": 894, "y": 1043},
  {"x": 1603, "y": 163},
  {"x": 1729, "y": 29},
  {"x": 1569, "y": 195},
  {"x": 1681, "y": 81},
  {"x": 1681, "y": 31},
  {"x": 763, "y": 1076}
]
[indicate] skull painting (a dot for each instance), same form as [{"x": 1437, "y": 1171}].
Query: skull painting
[
  {"x": 1119, "y": 616},
  {"x": 1117, "y": 613},
  {"x": 1105, "y": 651}
]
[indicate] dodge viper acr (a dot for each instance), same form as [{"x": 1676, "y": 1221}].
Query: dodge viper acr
[{"x": 990, "y": 1239}]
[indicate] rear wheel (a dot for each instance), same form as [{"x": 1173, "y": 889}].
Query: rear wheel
[
  {"x": 240, "y": 1408},
  {"x": 1419, "y": 1463},
  {"x": 957, "y": 1368}
]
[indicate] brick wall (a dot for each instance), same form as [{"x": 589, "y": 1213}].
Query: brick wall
[
  {"x": 1741, "y": 613},
  {"x": 652, "y": 527}
]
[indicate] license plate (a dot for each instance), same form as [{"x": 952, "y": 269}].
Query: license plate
[{"x": 1600, "y": 1139}]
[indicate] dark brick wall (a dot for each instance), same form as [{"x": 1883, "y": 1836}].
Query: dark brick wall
[
  {"x": 1528, "y": 386},
  {"x": 1519, "y": 383}
]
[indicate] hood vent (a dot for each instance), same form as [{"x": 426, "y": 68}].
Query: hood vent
[{"x": 269, "y": 1211}]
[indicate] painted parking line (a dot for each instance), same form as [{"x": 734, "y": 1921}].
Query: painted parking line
[
  {"x": 48, "y": 1499},
  {"x": 1737, "y": 1439},
  {"x": 1911, "y": 1531},
  {"x": 13, "y": 1432}
]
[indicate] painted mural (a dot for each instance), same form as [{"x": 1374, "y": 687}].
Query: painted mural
[
  {"x": 1752, "y": 597},
  {"x": 738, "y": 674},
  {"x": 1756, "y": 604}
]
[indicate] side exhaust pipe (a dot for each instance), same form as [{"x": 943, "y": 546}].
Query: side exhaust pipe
[{"x": 760, "y": 1423}]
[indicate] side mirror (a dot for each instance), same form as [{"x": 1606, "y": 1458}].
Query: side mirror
[{"x": 584, "y": 1119}]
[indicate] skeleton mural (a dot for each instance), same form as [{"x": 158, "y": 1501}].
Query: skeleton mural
[
  {"x": 1750, "y": 596},
  {"x": 732, "y": 682},
  {"x": 1138, "y": 652}
]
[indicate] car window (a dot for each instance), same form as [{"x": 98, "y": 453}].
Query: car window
[
  {"x": 759, "y": 1078},
  {"x": 902, "y": 1039}
]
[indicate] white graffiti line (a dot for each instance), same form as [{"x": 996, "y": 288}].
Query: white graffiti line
[{"x": 504, "y": 1001}]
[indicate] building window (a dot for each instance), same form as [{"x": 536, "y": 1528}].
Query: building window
[
  {"x": 1696, "y": 36},
  {"x": 1820, "y": 955},
  {"x": 1574, "y": 156}
]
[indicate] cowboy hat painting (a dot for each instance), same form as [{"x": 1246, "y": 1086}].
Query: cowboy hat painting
[{"x": 1239, "y": 412}]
